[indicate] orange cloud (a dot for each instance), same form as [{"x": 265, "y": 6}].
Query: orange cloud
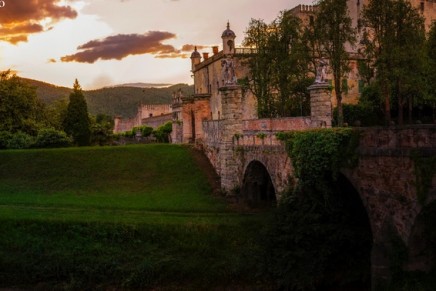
[
  {"x": 122, "y": 45},
  {"x": 19, "y": 18},
  {"x": 191, "y": 47}
]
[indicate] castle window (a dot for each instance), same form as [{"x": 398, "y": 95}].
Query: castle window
[
  {"x": 358, "y": 2},
  {"x": 422, "y": 7},
  {"x": 150, "y": 115}
]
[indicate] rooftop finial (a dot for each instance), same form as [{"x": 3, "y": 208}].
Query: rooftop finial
[{"x": 228, "y": 24}]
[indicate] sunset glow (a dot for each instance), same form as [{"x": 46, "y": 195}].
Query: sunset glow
[{"x": 106, "y": 42}]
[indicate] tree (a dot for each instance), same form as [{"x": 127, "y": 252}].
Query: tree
[
  {"x": 76, "y": 122},
  {"x": 279, "y": 67},
  {"x": 259, "y": 80},
  {"x": 290, "y": 65},
  {"x": 56, "y": 113},
  {"x": 394, "y": 41},
  {"x": 20, "y": 108},
  {"x": 333, "y": 30},
  {"x": 430, "y": 98},
  {"x": 102, "y": 127},
  {"x": 408, "y": 56}
]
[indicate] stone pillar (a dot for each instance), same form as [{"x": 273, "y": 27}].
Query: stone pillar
[
  {"x": 320, "y": 105},
  {"x": 232, "y": 124}
]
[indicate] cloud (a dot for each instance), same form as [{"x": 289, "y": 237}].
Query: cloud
[
  {"x": 191, "y": 47},
  {"x": 122, "y": 45},
  {"x": 19, "y": 18}
]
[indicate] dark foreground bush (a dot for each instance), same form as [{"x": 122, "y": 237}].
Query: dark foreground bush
[{"x": 52, "y": 138}]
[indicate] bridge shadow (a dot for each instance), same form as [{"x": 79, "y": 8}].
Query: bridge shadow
[
  {"x": 422, "y": 244},
  {"x": 257, "y": 188}
]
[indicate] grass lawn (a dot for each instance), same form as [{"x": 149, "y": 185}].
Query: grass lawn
[{"x": 119, "y": 217}]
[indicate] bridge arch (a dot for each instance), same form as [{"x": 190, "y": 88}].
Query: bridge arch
[{"x": 257, "y": 185}]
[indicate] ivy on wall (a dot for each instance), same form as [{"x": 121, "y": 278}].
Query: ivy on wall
[{"x": 317, "y": 152}]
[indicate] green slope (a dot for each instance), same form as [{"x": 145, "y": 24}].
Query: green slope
[{"x": 120, "y": 218}]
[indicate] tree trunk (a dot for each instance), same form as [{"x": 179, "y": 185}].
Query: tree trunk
[
  {"x": 387, "y": 105},
  {"x": 400, "y": 104},
  {"x": 410, "y": 110},
  {"x": 400, "y": 110},
  {"x": 338, "y": 90}
]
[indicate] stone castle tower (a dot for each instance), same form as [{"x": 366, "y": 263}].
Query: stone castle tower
[{"x": 228, "y": 38}]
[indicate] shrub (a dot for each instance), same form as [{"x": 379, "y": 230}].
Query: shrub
[
  {"x": 20, "y": 140},
  {"x": 52, "y": 138},
  {"x": 5, "y": 136},
  {"x": 163, "y": 132}
]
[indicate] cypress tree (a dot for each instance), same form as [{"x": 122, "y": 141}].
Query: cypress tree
[{"x": 76, "y": 122}]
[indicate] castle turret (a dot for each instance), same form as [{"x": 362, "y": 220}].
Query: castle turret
[
  {"x": 228, "y": 37},
  {"x": 195, "y": 59}
]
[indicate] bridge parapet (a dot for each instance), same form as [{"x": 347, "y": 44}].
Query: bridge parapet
[
  {"x": 401, "y": 140},
  {"x": 212, "y": 132}
]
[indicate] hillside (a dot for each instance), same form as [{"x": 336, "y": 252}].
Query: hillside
[
  {"x": 124, "y": 101},
  {"x": 112, "y": 101}
]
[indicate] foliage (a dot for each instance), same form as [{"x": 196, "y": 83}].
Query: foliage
[
  {"x": 162, "y": 133},
  {"x": 5, "y": 136},
  {"x": 52, "y": 138},
  {"x": 56, "y": 112},
  {"x": 430, "y": 98},
  {"x": 394, "y": 40},
  {"x": 113, "y": 101},
  {"x": 20, "y": 109},
  {"x": 18, "y": 140},
  {"x": 124, "y": 101},
  {"x": 317, "y": 152},
  {"x": 361, "y": 114},
  {"x": 333, "y": 30},
  {"x": 76, "y": 122},
  {"x": 102, "y": 129},
  {"x": 279, "y": 68}
]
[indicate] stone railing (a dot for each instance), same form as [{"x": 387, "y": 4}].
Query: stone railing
[
  {"x": 257, "y": 139},
  {"x": 276, "y": 124},
  {"x": 212, "y": 132},
  {"x": 406, "y": 137}
]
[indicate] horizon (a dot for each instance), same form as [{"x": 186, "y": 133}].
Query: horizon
[{"x": 57, "y": 41}]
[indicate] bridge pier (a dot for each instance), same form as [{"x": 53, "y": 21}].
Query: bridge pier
[{"x": 232, "y": 125}]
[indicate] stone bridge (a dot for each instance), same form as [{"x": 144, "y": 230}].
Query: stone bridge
[{"x": 255, "y": 166}]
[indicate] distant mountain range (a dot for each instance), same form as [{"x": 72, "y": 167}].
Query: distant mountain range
[
  {"x": 122, "y": 100},
  {"x": 142, "y": 85}
]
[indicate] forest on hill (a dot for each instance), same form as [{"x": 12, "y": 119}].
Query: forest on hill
[{"x": 122, "y": 101}]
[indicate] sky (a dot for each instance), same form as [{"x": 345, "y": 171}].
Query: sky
[{"x": 110, "y": 42}]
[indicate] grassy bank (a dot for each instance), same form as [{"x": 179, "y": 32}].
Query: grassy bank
[{"x": 121, "y": 217}]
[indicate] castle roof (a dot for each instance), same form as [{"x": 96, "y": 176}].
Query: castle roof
[{"x": 228, "y": 32}]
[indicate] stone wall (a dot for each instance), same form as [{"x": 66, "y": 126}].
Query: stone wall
[{"x": 157, "y": 121}]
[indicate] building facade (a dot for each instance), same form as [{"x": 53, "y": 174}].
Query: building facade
[
  {"x": 152, "y": 115},
  {"x": 211, "y": 73}
]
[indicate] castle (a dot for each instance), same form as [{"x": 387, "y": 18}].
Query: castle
[
  {"x": 212, "y": 74},
  {"x": 150, "y": 115}
]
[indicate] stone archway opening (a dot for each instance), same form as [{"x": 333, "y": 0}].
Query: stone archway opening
[
  {"x": 257, "y": 187},
  {"x": 350, "y": 260},
  {"x": 422, "y": 242}
]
